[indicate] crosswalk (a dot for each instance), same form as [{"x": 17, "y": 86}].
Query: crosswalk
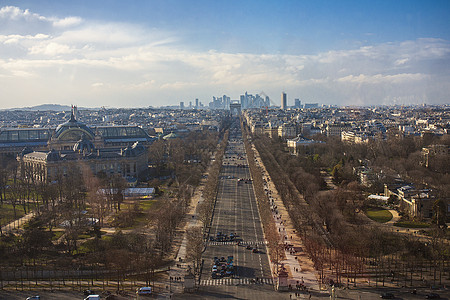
[
  {"x": 235, "y": 281},
  {"x": 241, "y": 243}
]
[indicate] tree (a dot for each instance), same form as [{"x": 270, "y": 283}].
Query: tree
[
  {"x": 439, "y": 214},
  {"x": 35, "y": 238},
  {"x": 194, "y": 247}
]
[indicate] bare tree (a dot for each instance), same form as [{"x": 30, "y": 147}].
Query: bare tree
[{"x": 194, "y": 247}]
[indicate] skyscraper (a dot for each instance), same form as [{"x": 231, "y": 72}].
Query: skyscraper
[
  {"x": 283, "y": 101},
  {"x": 196, "y": 103},
  {"x": 298, "y": 103}
]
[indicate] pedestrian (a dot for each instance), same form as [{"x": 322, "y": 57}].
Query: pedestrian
[{"x": 309, "y": 295}]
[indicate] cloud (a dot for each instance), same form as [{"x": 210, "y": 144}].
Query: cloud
[
  {"x": 51, "y": 49},
  {"x": 17, "y": 14},
  {"x": 72, "y": 56},
  {"x": 379, "y": 78},
  {"x": 67, "y": 22}
]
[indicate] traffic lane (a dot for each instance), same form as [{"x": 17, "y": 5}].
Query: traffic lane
[
  {"x": 255, "y": 291},
  {"x": 56, "y": 294},
  {"x": 224, "y": 221},
  {"x": 249, "y": 259}
]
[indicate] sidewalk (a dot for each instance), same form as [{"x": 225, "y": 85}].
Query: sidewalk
[
  {"x": 177, "y": 271},
  {"x": 395, "y": 217},
  {"x": 17, "y": 224},
  {"x": 297, "y": 263}
]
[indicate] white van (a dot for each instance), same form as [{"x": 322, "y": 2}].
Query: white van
[{"x": 146, "y": 290}]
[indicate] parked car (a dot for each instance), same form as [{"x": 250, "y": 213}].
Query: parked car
[
  {"x": 34, "y": 297},
  {"x": 92, "y": 297},
  {"x": 387, "y": 296},
  {"x": 88, "y": 292},
  {"x": 433, "y": 296},
  {"x": 146, "y": 290}
]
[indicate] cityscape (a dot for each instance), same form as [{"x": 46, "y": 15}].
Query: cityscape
[{"x": 209, "y": 150}]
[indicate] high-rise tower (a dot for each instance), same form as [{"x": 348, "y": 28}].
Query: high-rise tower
[{"x": 283, "y": 101}]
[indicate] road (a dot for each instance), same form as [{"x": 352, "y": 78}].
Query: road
[{"x": 236, "y": 211}]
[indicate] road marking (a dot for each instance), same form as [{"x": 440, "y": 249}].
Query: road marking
[
  {"x": 235, "y": 281},
  {"x": 241, "y": 244}
]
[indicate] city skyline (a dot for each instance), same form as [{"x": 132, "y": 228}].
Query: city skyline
[{"x": 159, "y": 53}]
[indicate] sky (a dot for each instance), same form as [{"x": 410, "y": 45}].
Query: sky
[{"x": 160, "y": 52}]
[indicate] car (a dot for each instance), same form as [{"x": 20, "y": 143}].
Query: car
[
  {"x": 249, "y": 247},
  {"x": 214, "y": 268},
  {"x": 387, "y": 296},
  {"x": 433, "y": 296},
  {"x": 255, "y": 250},
  {"x": 37, "y": 297},
  {"x": 88, "y": 292},
  {"x": 145, "y": 290},
  {"x": 92, "y": 297}
]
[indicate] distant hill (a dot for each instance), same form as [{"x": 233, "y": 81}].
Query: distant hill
[{"x": 49, "y": 107}]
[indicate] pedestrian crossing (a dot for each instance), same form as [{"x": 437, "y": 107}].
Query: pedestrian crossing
[
  {"x": 235, "y": 281},
  {"x": 241, "y": 243}
]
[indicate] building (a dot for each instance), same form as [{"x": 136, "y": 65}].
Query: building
[
  {"x": 297, "y": 103},
  {"x": 14, "y": 140},
  {"x": 301, "y": 144},
  {"x": 353, "y": 137},
  {"x": 336, "y": 129},
  {"x": 107, "y": 149},
  {"x": 235, "y": 108},
  {"x": 129, "y": 162},
  {"x": 311, "y": 105},
  {"x": 287, "y": 130},
  {"x": 283, "y": 101},
  {"x": 434, "y": 152}
]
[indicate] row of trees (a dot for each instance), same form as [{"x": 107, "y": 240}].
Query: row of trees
[
  {"x": 337, "y": 237},
  {"x": 205, "y": 209},
  {"x": 275, "y": 242},
  {"x": 69, "y": 198}
]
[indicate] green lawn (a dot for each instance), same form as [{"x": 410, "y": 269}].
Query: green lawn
[
  {"x": 7, "y": 213},
  {"x": 380, "y": 215},
  {"x": 146, "y": 204},
  {"x": 412, "y": 224},
  {"x": 57, "y": 235}
]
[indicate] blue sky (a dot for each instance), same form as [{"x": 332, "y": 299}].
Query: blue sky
[{"x": 141, "y": 53}]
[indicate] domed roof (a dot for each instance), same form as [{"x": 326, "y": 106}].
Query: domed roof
[
  {"x": 128, "y": 152},
  {"x": 25, "y": 151},
  {"x": 73, "y": 130},
  {"x": 53, "y": 155},
  {"x": 84, "y": 145}
]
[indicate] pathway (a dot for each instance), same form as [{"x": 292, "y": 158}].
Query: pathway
[
  {"x": 17, "y": 224},
  {"x": 297, "y": 263}
]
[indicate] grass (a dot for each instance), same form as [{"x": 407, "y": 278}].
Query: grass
[
  {"x": 57, "y": 235},
  {"x": 146, "y": 204},
  {"x": 379, "y": 215},
  {"x": 7, "y": 213},
  {"x": 412, "y": 224}
]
